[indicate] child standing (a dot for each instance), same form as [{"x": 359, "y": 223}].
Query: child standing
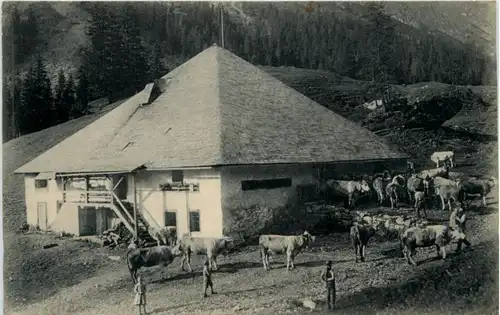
[
  {"x": 140, "y": 295},
  {"x": 207, "y": 279},
  {"x": 329, "y": 278}
]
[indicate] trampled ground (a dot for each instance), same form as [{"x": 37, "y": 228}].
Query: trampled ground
[{"x": 77, "y": 278}]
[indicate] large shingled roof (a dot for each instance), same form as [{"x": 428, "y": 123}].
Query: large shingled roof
[{"x": 216, "y": 109}]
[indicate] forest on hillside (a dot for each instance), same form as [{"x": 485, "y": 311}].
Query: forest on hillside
[{"x": 130, "y": 43}]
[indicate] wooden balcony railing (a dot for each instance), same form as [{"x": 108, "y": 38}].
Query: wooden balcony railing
[{"x": 92, "y": 196}]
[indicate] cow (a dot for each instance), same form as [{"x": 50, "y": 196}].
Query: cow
[
  {"x": 441, "y": 172},
  {"x": 148, "y": 257},
  {"x": 420, "y": 198},
  {"x": 415, "y": 184},
  {"x": 379, "y": 184},
  {"x": 477, "y": 187},
  {"x": 168, "y": 235},
  {"x": 209, "y": 246},
  {"x": 350, "y": 188},
  {"x": 444, "y": 156},
  {"x": 431, "y": 235},
  {"x": 392, "y": 192},
  {"x": 292, "y": 245},
  {"x": 446, "y": 189},
  {"x": 360, "y": 235}
]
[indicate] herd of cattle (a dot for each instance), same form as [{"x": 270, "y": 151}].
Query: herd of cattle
[
  {"x": 419, "y": 189},
  {"x": 416, "y": 187}
]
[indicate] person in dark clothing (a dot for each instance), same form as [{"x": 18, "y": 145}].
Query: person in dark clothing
[
  {"x": 207, "y": 279},
  {"x": 329, "y": 278}
]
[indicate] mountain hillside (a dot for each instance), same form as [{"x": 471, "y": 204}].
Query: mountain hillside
[{"x": 61, "y": 25}]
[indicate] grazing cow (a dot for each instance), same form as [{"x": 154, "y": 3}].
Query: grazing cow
[
  {"x": 168, "y": 235},
  {"x": 415, "y": 184},
  {"x": 420, "y": 198},
  {"x": 350, "y": 188},
  {"x": 446, "y": 189},
  {"x": 477, "y": 187},
  {"x": 209, "y": 246},
  {"x": 431, "y": 235},
  {"x": 379, "y": 184},
  {"x": 441, "y": 172},
  {"x": 148, "y": 257},
  {"x": 360, "y": 235},
  {"x": 292, "y": 245},
  {"x": 443, "y": 156}
]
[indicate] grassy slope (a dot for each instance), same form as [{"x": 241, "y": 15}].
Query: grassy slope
[{"x": 384, "y": 284}]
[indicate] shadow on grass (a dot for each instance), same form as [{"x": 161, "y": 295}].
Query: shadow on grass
[
  {"x": 179, "y": 276},
  {"x": 166, "y": 309},
  {"x": 234, "y": 267}
]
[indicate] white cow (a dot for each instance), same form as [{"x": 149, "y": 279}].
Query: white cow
[{"x": 438, "y": 157}]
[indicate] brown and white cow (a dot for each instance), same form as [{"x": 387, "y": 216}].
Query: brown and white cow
[
  {"x": 440, "y": 171},
  {"x": 431, "y": 235},
  {"x": 480, "y": 187},
  {"x": 443, "y": 156},
  {"x": 291, "y": 245},
  {"x": 446, "y": 189},
  {"x": 209, "y": 246},
  {"x": 351, "y": 189}
]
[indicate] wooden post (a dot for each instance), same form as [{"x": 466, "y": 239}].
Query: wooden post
[
  {"x": 87, "y": 186},
  {"x": 135, "y": 208}
]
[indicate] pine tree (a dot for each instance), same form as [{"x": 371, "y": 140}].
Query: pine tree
[
  {"x": 60, "y": 109},
  {"x": 36, "y": 100},
  {"x": 69, "y": 97},
  {"x": 83, "y": 95}
]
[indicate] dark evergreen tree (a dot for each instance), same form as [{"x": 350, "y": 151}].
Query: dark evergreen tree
[
  {"x": 60, "y": 108},
  {"x": 69, "y": 98},
  {"x": 36, "y": 100}
]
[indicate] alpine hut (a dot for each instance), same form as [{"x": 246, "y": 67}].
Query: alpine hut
[{"x": 200, "y": 148}]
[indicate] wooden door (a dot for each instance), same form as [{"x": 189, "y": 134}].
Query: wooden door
[
  {"x": 88, "y": 221},
  {"x": 42, "y": 219}
]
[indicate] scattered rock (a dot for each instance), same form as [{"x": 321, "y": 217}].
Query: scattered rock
[
  {"x": 115, "y": 258},
  {"x": 308, "y": 303},
  {"x": 236, "y": 308}
]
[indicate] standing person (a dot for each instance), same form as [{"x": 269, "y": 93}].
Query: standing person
[
  {"x": 457, "y": 221},
  {"x": 329, "y": 278},
  {"x": 140, "y": 295},
  {"x": 207, "y": 279}
]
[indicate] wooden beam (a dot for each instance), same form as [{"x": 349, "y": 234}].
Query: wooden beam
[
  {"x": 87, "y": 186},
  {"x": 135, "y": 207},
  {"x": 114, "y": 187}
]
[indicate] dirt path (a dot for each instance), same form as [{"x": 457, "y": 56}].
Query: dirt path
[{"x": 384, "y": 284}]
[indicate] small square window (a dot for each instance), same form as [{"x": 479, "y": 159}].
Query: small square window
[
  {"x": 177, "y": 176},
  {"x": 41, "y": 183},
  {"x": 194, "y": 221},
  {"x": 170, "y": 218}
]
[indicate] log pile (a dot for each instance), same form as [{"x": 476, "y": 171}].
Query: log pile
[{"x": 117, "y": 235}]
